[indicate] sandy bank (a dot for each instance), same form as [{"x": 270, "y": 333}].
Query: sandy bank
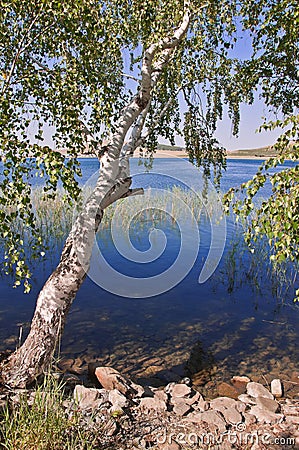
[{"x": 182, "y": 154}]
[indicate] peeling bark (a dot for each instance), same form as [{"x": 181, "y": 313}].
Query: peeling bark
[{"x": 58, "y": 293}]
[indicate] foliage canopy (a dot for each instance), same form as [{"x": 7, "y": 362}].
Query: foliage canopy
[
  {"x": 273, "y": 68},
  {"x": 73, "y": 66}
]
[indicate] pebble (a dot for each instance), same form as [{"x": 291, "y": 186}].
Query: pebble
[
  {"x": 181, "y": 408},
  {"x": 231, "y": 415},
  {"x": 276, "y": 388},
  {"x": 247, "y": 399},
  {"x": 110, "y": 378},
  {"x": 202, "y": 404},
  {"x": 180, "y": 390},
  {"x": 225, "y": 402},
  {"x": 150, "y": 403},
  {"x": 118, "y": 400},
  {"x": 240, "y": 379},
  {"x": 89, "y": 398},
  {"x": 195, "y": 398},
  {"x": 212, "y": 418}
]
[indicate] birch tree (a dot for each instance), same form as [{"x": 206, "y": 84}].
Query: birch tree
[
  {"x": 63, "y": 64},
  {"x": 113, "y": 75}
]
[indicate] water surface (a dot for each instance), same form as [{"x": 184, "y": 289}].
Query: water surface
[{"x": 242, "y": 320}]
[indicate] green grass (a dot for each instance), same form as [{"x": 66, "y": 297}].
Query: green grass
[{"x": 40, "y": 422}]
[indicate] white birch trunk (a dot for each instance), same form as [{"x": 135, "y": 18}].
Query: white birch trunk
[{"x": 58, "y": 293}]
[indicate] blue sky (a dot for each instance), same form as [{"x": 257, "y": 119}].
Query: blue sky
[
  {"x": 248, "y": 137},
  {"x": 251, "y": 119}
]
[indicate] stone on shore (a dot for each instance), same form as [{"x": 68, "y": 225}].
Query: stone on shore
[
  {"x": 156, "y": 417},
  {"x": 110, "y": 378},
  {"x": 180, "y": 390},
  {"x": 227, "y": 390},
  {"x": 225, "y": 402},
  {"x": 276, "y": 388},
  {"x": 118, "y": 400},
  {"x": 151, "y": 403},
  {"x": 258, "y": 390},
  {"x": 264, "y": 415},
  {"x": 180, "y": 406},
  {"x": 247, "y": 399},
  {"x": 213, "y": 418},
  {"x": 268, "y": 404},
  {"x": 89, "y": 398}
]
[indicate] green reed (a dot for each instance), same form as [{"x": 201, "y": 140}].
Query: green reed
[
  {"x": 54, "y": 217},
  {"x": 39, "y": 421}
]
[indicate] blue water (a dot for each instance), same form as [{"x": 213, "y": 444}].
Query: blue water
[
  {"x": 238, "y": 170},
  {"x": 248, "y": 326}
]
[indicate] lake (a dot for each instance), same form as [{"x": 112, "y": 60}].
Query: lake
[{"x": 239, "y": 321}]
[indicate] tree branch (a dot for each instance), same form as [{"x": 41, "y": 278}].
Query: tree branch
[
  {"x": 156, "y": 121},
  {"x": 18, "y": 53}
]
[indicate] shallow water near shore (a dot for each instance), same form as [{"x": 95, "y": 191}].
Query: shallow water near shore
[{"x": 237, "y": 322}]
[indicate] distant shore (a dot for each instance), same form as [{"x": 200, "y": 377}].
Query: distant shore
[
  {"x": 182, "y": 154},
  {"x": 237, "y": 154}
]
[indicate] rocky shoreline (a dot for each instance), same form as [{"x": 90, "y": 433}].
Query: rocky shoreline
[{"x": 127, "y": 416}]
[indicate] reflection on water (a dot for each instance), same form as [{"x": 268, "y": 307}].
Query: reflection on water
[{"x": 243, "y": 330}]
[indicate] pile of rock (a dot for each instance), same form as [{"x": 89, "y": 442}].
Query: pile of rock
[{"x": 178, "y": 416}]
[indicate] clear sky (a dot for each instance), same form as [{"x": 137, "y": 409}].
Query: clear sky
[
  {"x": 251, "y": 120},
  {"x": 248, "y": 136},
  {"x": 251, "y": 117}
]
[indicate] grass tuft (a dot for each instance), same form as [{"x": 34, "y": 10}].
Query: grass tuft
[{"x": 39, "y": 422}]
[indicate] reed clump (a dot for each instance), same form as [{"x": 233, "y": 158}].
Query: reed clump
[{"x": 54, "y": 217}]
